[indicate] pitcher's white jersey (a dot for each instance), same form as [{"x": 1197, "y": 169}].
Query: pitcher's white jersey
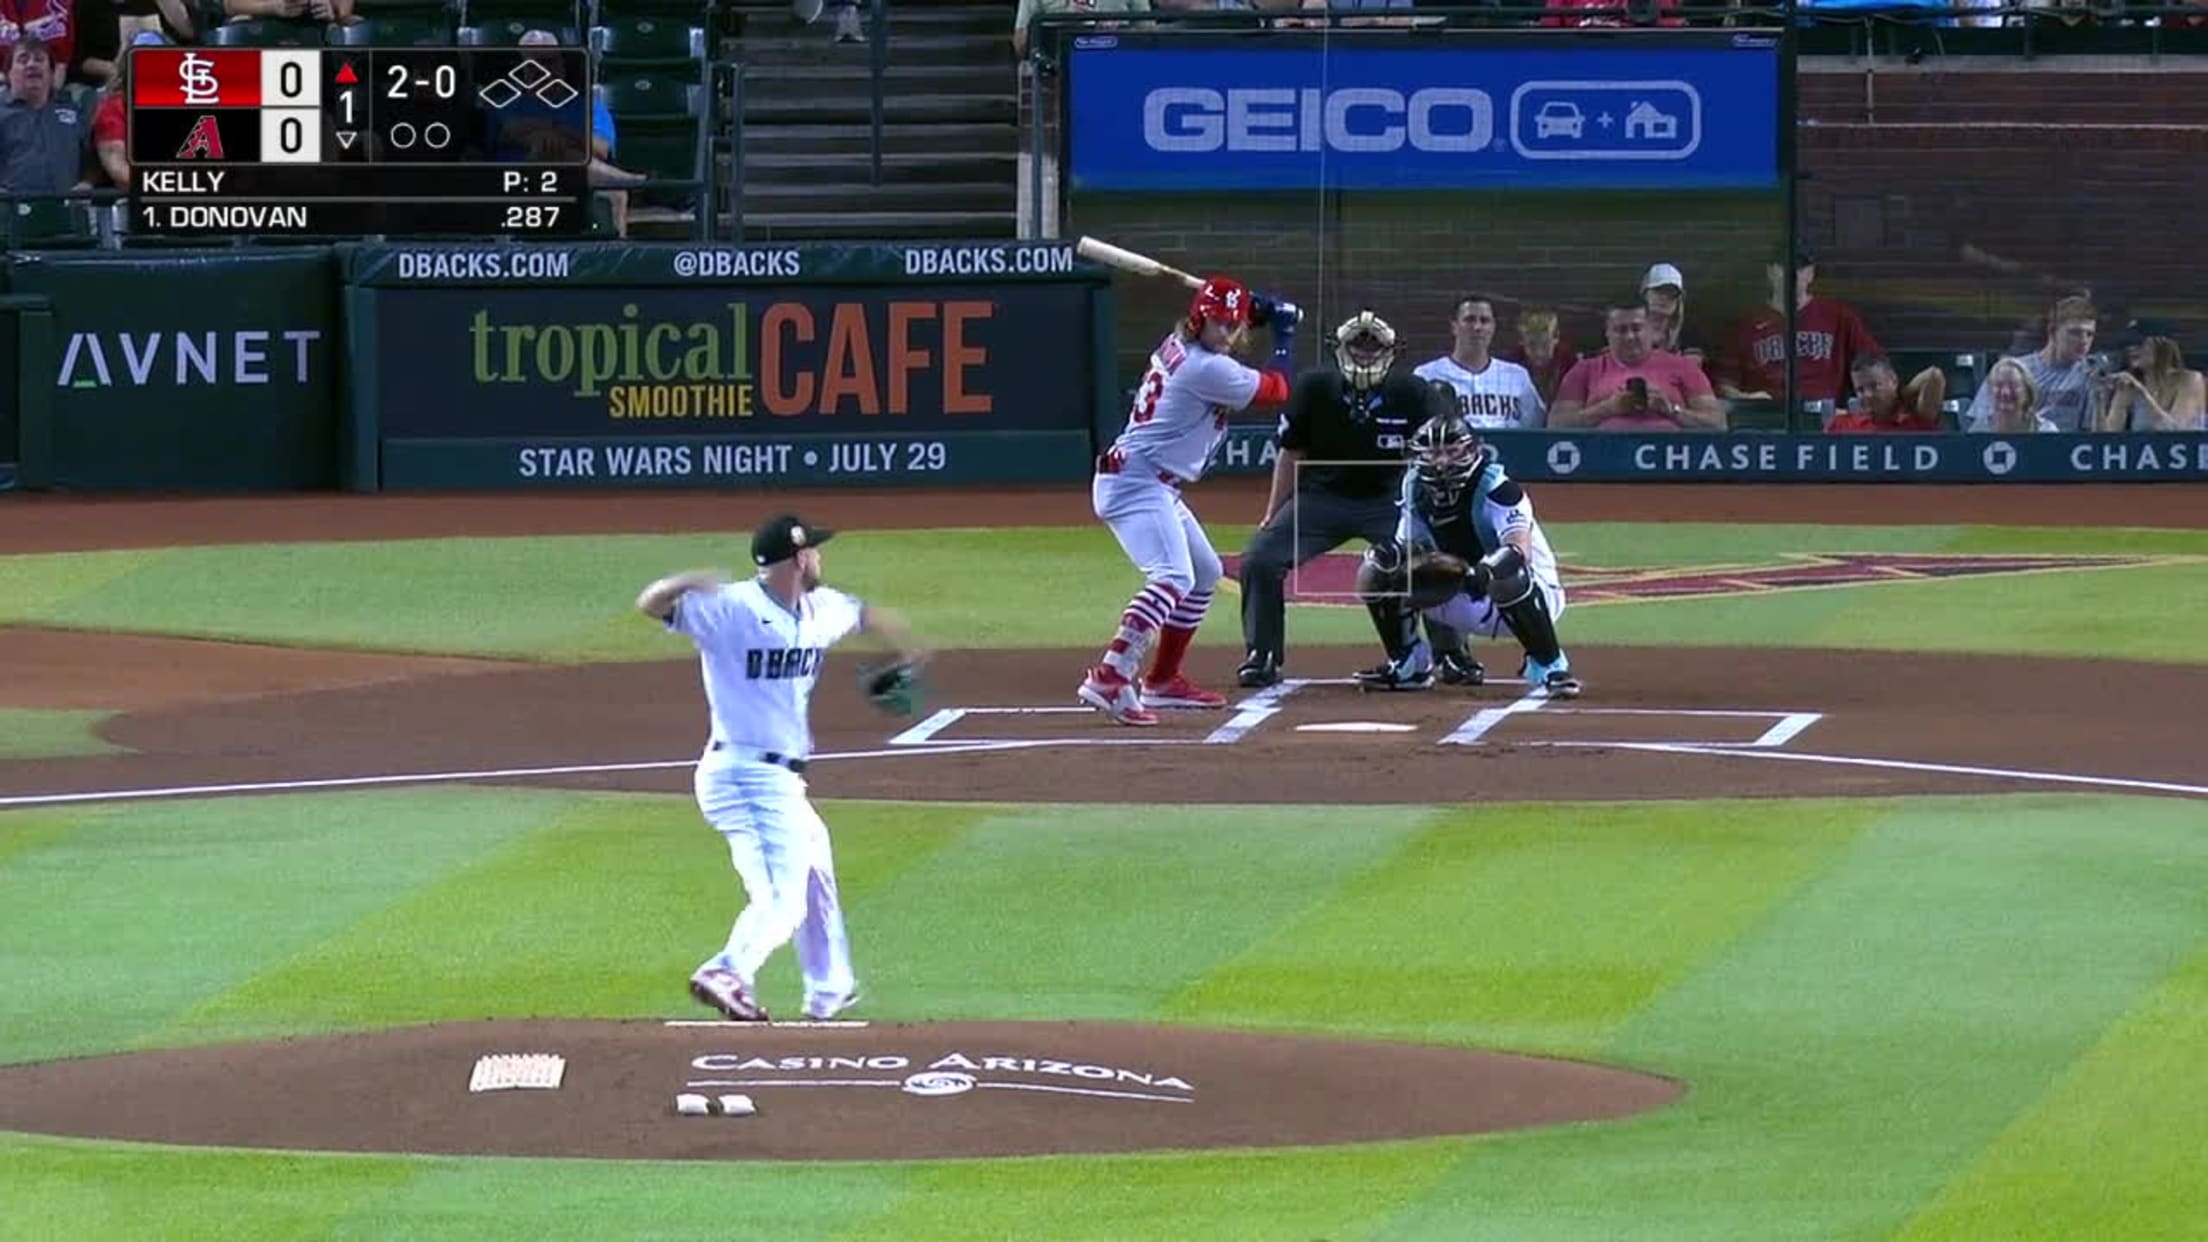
[
  {"x": 1502, "y": 397},
  {"x": 1180, "y": 411},
  {"x": 761, "y": 660}
]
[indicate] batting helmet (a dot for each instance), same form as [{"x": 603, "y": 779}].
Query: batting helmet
[
  {"x": 1364, "y": 348},
  {"x": 1447, "y": 455},
  {"x": 1222, "y": 299}
]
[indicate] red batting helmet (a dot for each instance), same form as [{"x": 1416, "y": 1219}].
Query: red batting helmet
[{"x": 1222, "y": 299}]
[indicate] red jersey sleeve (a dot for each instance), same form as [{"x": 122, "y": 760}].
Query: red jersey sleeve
[
  {"x": 1272, "y": 388},
  {"x": 108, "y": 121}
]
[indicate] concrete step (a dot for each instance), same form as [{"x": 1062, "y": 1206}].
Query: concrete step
[
  {"x": 905, "y": 49},
  {"x": 848, "y": 197},
  {"x": 808, "y": 226},
  {"x": 999, "y": 169},
  {"x": 776, "y": 21},
  {"x": 961, "y": 108},
  {"x": 964, "y": 138}
]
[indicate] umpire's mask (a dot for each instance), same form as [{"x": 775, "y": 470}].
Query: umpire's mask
[
  {"x": 1445, "y": 453},
  {"x": 1364, "y": 349}
]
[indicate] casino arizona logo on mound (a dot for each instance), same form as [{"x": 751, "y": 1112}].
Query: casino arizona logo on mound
[{"x": 1331, "y": 580}]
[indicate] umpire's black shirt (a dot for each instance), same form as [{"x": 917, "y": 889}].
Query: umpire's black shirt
[{"x": 1328, "y": 421}]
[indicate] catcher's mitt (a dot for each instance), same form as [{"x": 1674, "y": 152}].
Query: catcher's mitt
[
  {"x": 892, "y": 688},
  {"x": 1435, "y": 577}
]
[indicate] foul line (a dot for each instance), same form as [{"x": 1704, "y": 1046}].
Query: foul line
[
  {"x": 487, "y": 774},
  {"x": 1904, "y": 765}
]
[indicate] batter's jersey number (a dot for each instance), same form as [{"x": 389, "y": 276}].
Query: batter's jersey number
[{"x": 1146, "y": 398}]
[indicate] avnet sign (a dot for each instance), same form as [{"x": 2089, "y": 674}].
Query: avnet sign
[
  {"x": 1680, "y": 112},
  {"x": 1196, "y": 119}
]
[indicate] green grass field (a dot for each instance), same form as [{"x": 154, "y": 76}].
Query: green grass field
[{"x": 1925, "y": 1018}]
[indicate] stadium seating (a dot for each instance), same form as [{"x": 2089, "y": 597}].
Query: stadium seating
[
  {"x": 394, "y": 32},
  {"x": 660, "y": 121},
  {"x": 507, "y": 32},
  {"x": 633, "y": 45},
  {"x": 259, "y": 33}
]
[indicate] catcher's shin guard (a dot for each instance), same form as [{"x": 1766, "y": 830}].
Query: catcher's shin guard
[
  {"x": 1396, "y": 625},
  {"x": 1526, "y": 611}
]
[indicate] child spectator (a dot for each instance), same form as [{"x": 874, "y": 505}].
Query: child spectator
[{"x": 1545, "y": 356}]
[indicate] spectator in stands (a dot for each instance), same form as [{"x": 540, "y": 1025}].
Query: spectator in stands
[
  {"x": 2155, "y": 391},
  {"x": 849, "y": 29},
  {"x": 1547, "y": 357},
  {"x": 1032, "y": 9},
  {"x": 49, "y": 22},
  {"x": 1884, "y": 404},
  {"x": 530, "y": 129},
  {"x": 170, "y": 18},
  {"x": 99, "y": 43},
  {"x": 1664, "y": 291},
  {"x": 1363, "y": 12},
  {"x": 304, "y": 12},
  {"x": 2060, "y": 370},
  {"x": 110, "y": 122},
  {"x": 1828, "y": 337},
  {"x": 2012, "y": 399},
  {"x": 1612, "y": 13},
  {"x": 44, "y": 138},
  {"x": 1633, "y": 387}
]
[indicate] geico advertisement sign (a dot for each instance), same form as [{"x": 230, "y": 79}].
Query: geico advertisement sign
[
  {"x": 243, "y": 357},
  {"x": 1359, "y": 119}
]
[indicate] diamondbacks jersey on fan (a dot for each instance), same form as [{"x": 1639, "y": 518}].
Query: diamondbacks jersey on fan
[
  {"x": 1502, "y": 397},
  {"x": 761, "y": 661},
  {"x": 1180, "y": 412},
  {"x": 1474, "y": 526}
]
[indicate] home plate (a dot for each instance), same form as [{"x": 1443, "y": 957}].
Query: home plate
[{"x": 1356, "y": 726}]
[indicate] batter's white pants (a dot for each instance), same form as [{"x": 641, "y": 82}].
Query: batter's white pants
[
  {"x": 1157, "y": 531},
  {"x": 1468, "y": 615},
  {"x": 780, "y": 850}
]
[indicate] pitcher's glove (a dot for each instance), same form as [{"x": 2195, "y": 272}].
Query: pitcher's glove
[{"x": 892, "y": 688}]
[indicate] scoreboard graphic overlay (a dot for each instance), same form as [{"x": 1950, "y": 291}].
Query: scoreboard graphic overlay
[{"x": 400, "y": 141}]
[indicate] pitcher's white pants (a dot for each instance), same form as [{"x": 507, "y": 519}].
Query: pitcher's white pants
[{"x": 780, "y": 850}]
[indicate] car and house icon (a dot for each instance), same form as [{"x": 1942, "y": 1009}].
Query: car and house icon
[
  {"x": 1559, "y": 118},
  {"x": 1644, "y": 122}
]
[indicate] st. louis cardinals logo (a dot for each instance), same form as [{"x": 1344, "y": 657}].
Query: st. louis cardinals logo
[{"x": 195, "y": 75}]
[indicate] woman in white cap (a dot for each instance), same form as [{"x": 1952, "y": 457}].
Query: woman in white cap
[{"x": 1664, "y": 291}]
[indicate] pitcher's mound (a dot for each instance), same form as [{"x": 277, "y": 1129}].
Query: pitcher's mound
[{"x": 823, "y": 1092}]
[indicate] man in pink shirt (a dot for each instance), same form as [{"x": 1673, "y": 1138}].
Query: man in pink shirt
[{"x": 1632, "y": 387}]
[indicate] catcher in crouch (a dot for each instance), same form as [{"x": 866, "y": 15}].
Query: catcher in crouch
[{"x": 1468, "y": 554}]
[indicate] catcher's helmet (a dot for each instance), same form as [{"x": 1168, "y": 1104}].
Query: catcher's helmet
[
  {"x": 1447, "y": 455},
  {"x": 1222, "y": 299},
  {"x": 1364, "y": 349}
]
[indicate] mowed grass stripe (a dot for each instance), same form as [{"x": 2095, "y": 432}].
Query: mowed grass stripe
[
  {"x": 602, "y": 911},
  {"x": 1540, "y": 928},
  {"x": 67, "y": 1189},
  {"x": 1101, "y": 912},
  {"x": 1854, "y": 1050},
  {"x": 2114, "y": 1147},
  {"x": 27, "y": 832},
  {"x": 147, "y": 910},
  {"x": 51, "y": 733},
  {"x": 1292, "y": 1196}
]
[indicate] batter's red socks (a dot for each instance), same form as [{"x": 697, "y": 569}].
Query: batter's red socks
[{"x": 1173, "y": 643}]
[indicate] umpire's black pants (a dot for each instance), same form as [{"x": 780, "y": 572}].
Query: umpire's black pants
[{"x": 1311, "y": 524}]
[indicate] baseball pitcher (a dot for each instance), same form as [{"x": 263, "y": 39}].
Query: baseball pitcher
[
  {"x": 1179, "y": 417},
  {"x": 760, "y": 645},
  {"x": 1467, "y": 552}
]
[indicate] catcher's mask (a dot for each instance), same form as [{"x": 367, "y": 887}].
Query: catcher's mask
[
  {"x": 1445, "y": 452},
  {"x": 1364, "y": 349}
]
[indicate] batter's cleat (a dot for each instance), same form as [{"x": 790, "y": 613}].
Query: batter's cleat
[
  {"x": 1461, "y": 670},
  {"x": 722, "y": 990},
  {"x": 1258, "y": 672},
  {"x": 1180, "y": 693},
  {"x": 825, "y": 1008},
  {"x": 1556, "y": 679},
  {"x": 1106, "y": 690}
]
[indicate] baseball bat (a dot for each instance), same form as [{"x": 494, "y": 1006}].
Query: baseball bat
[{"x": 1128, "y": 261}]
